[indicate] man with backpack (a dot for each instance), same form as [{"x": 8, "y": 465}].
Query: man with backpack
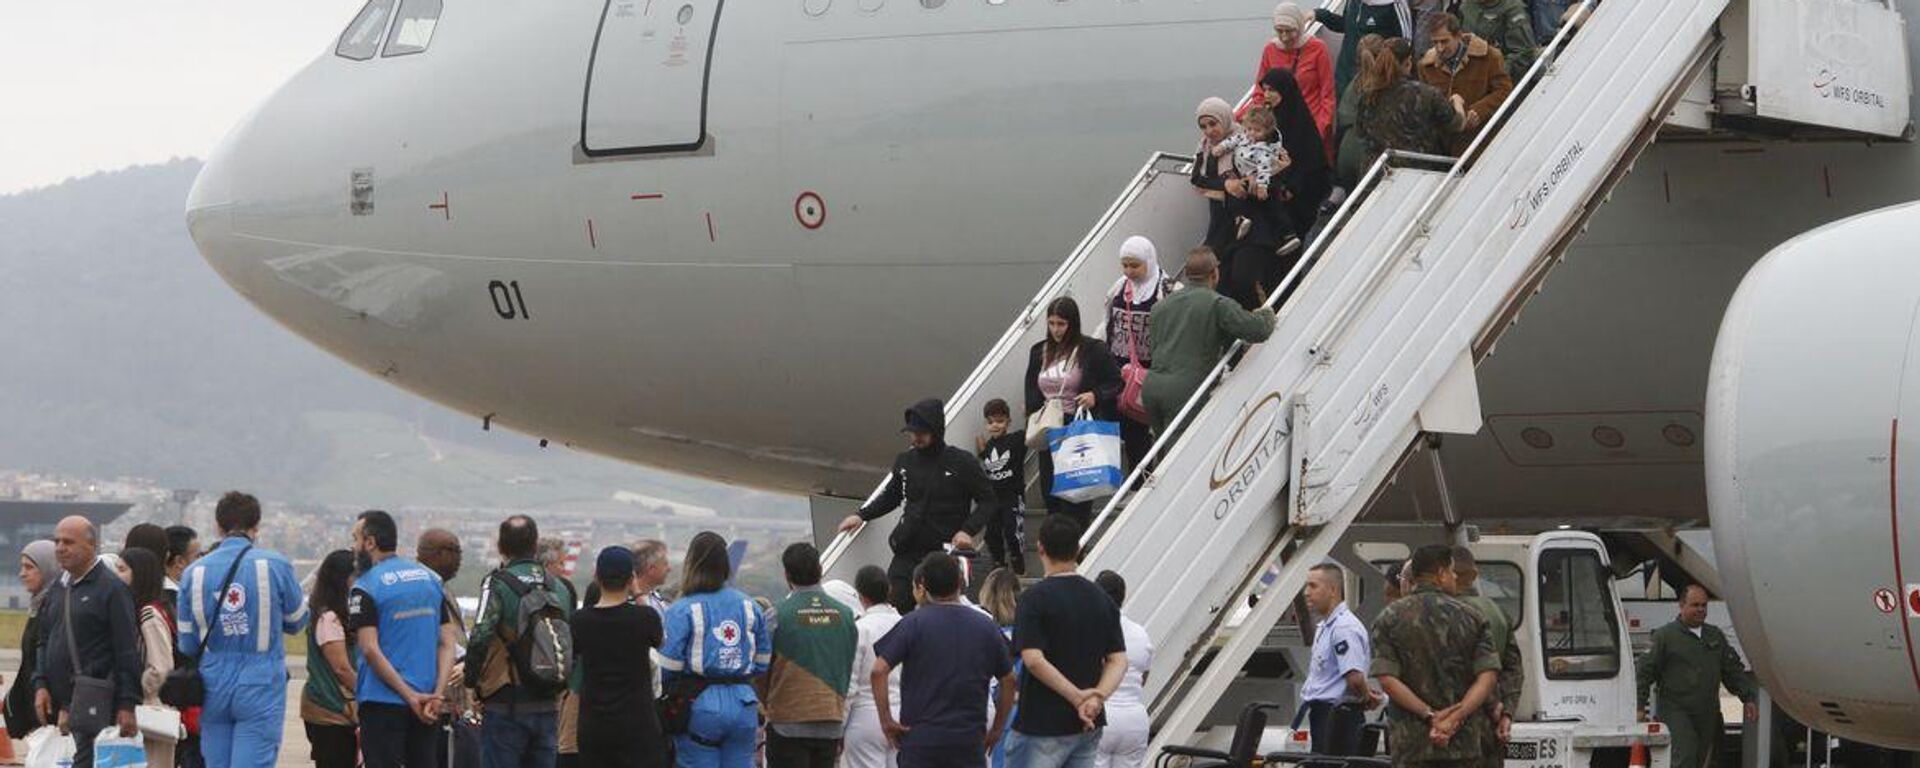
[
  {"x": 405, "y": 632},
  {"x": 520, "y": 654}
]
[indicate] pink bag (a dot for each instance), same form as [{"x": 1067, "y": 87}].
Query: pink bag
[{"x": 1133, "y": 375}]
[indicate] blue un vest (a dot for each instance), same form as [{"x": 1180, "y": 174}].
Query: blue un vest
[{"x": 408, "y": 597}]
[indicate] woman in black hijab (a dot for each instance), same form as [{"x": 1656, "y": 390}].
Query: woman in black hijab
[{"x": 1309, "y": 177}]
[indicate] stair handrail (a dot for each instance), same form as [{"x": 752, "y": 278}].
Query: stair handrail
[
  {"x": 1548, "y": 58},
  {"x": 1368, "y": 183},
  {"x": 1009, "y": 340}
]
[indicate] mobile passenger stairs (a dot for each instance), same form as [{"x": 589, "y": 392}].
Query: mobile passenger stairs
[{"x": 1407, "y": 287}]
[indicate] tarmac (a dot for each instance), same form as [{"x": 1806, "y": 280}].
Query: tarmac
[{"x": 293, "y": 743}]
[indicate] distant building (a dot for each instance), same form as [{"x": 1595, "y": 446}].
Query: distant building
[{"x": 24, "y": 521}]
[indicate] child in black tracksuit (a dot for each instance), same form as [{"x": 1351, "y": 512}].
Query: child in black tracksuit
[{"x": 1003, "y": 454}]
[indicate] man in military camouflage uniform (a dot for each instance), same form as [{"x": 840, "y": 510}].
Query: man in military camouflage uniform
[
  {"x": 1435, "y": 658},
  {"x": 1506, "y": 26},
  {"x": 1689, "y": 660},
  {"x": 1466, "y": 574}
]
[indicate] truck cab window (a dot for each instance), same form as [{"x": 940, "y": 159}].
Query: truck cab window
[
  {"x": 413, "y": 27},
  {"x": 361, "y": 40},
  {"x": 1579, "y": 633},
  {"x": 1505, "y": 585}
]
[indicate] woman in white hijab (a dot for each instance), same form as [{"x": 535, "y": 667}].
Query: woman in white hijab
[{"x": 1129, "y": 306}]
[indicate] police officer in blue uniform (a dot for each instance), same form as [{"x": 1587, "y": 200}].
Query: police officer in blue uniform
[
  {"x": 244, "y": 661},
  {"x": 716, "y": 637},
  {"x": 1335, "y": 695}
]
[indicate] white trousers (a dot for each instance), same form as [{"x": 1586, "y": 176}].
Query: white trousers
[
  {"x": 1123, "y": 743},
  {"x": 865, "y": 745}
]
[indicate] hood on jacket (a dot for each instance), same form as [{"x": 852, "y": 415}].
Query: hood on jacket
[
  {"x": 930, "y": 414},
  {"x": 1476, "y": 49}
]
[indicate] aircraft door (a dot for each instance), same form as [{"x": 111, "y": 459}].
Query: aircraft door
[{"x": 647, "y": 79}]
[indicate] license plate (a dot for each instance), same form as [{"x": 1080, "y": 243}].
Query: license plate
[{"x": 1523, "y": 750}]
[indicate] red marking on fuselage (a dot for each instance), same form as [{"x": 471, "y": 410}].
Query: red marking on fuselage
[
  {"x": 592, "y": 242},
  {"x": 1666, "y": 184},
  {"x": 1899, "y": 573},
  {"x": 1826, "y": 180},
  {"x": 445, "y": 208},
  {"x": 649, "y": 196},
  {"x": 710, "y": 236}
]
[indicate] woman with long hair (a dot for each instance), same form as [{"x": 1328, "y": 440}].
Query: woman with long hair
[
  {"x": 326, "y": 702},
  {"x": 1077, "y": 374},
  {"x": 1399, "y": 112},
  {"x": 156, "y": 637},
  {"x": 1000, "y": 598},
  {"x": 716, "y": 643},
  {"x": 1347, "y": 160},
  {"x": 38, "y": 570}
]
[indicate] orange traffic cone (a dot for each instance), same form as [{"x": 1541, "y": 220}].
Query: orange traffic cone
[{"x": 1637, "y": 755}]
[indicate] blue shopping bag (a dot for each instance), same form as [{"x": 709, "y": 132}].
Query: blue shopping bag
[
  {"x": 112, "y": 750},
  {"x": 1086, "y": 459}
]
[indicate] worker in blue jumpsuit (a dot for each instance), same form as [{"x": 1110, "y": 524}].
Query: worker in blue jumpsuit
[
  {"x": 244, "y": 662},
  {"x": 717, "y": 636}
]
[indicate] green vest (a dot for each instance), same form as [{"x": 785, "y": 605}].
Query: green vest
[
  {"x": 323, "y": 688},
  {"x": 814, "y": 640}
]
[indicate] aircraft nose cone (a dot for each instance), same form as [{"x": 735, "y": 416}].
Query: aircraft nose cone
[{"x": 209, "y": 212}]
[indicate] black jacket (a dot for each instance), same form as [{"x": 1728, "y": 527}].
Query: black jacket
[
  {"x": 943, "y": 487},
  {"x": 1099, "y": 374},
  {"x": 105, "y": 630},
  {"x": 21, "y": 716}
]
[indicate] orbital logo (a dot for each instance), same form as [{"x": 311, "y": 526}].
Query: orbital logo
[{"x": 1254, "y": 446}]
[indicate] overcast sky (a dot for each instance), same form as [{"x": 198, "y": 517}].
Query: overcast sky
[{"x": 95, "y": 85}]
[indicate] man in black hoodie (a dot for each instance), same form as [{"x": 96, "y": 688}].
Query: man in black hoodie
[{"x": 947, "y": 495}]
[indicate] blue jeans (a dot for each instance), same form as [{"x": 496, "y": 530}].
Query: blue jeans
[
  {"x": 1075, "y": 751},
  {"x": 519, "y": 739},
  {"x": 1546, "y": 19}
]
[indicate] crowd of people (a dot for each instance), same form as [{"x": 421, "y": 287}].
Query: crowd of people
[
  {"x": 188, "y": 650},
  {"x": 1411, "y": 75}
]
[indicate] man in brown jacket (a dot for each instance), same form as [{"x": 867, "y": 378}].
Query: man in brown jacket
[{"x": 1468, "y": 70}]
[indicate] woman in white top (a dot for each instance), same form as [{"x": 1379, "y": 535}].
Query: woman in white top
[
  {"x": 865, "y": 745},
  {"x": 1124, "y": 742}
]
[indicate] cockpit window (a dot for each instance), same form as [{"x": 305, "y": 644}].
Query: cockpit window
[
  {"x": 362, "y": 38},
  {"x": 413, "y": 27}
]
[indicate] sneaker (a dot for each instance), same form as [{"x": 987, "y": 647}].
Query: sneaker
[{"x": 1288, "y": 248}]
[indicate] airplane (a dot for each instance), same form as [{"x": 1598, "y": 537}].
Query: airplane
[{"x": 736, "y": 245}]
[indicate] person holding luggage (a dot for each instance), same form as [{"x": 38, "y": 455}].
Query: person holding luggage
[
  {"x": 1069, "y": 373},
  {"x": 1130, "y": 303}
]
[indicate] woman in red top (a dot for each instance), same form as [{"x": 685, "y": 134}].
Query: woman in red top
[{"x": 1293, "y": 49}]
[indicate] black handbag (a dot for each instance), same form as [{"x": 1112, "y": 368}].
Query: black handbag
[
  {"x": 91, "y": 709},
  {"x": 183, "y": 687}
]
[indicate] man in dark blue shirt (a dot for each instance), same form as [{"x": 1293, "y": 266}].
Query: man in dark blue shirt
[
  {"x": 399, "y": 616},
  {"x": 105, "y": 640},
  {"x": 951, "y": 650}
]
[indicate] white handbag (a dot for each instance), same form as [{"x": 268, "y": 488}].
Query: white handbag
[
  {"x": 160, "y": 723},
  {"x": 1051, "y": 415}
]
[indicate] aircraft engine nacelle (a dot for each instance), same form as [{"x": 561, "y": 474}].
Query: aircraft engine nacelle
[{"x": 1813, "y": 474}]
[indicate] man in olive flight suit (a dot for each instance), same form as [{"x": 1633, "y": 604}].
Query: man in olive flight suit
[{"x": 1689, "y": 661}]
